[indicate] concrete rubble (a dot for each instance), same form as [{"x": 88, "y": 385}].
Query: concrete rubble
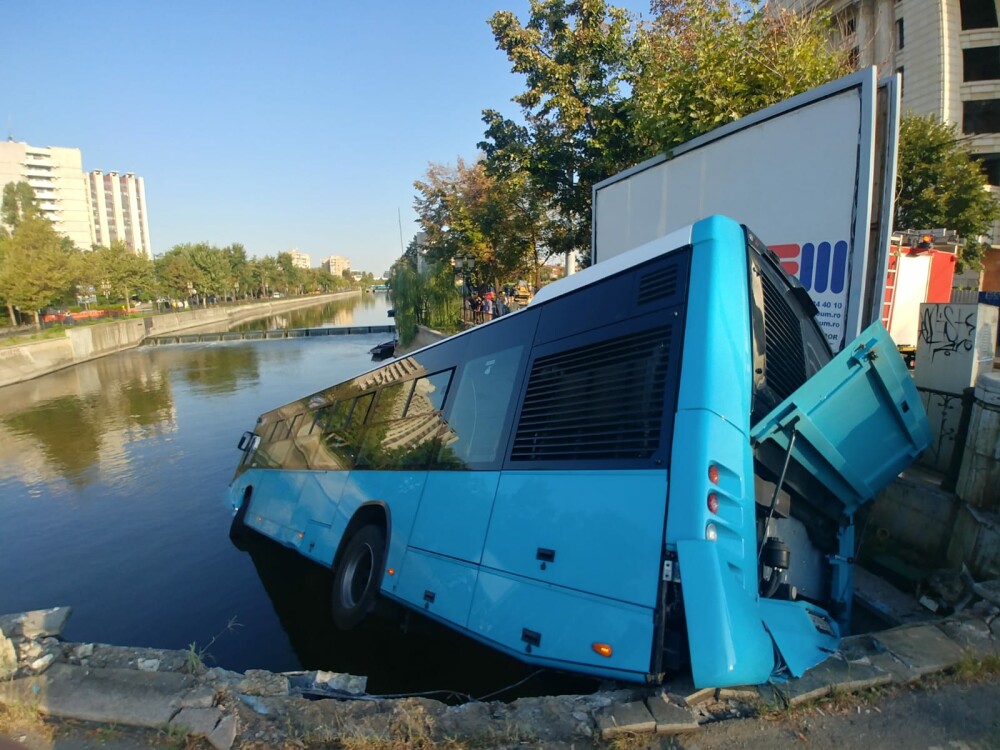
[{"x": 159, "y": 688}]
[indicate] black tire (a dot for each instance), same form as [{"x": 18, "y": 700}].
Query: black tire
[{"x": 357, "y": 576}]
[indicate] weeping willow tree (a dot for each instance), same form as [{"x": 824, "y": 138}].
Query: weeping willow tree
[{"x": 428, "y": 299}]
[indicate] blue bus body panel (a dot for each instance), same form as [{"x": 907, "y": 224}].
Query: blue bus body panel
[
  {"x": 439, "y": 586},
  {"x": 454, "y": 513},
  {"x": 804, "y": 634},
  {"x": 565, "y": 528},
  {"x": 507, "y": 610},
  {"x": 728, "y": 642},
  {"x": 859, "y": 421}
]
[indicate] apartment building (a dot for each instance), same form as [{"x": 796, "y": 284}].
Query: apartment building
[
  {"x": 118, "y": 209},
  {"x": 56, "y": 174},
  {"x": 299, "y": 260},
  {"x": 947, "y": 53},
  {"x": 335, "y": 265}
]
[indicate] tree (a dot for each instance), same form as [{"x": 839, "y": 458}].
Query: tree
[
  {"x": 703, "y": 63},
  {"x": 117, "y": 269},
  {"x": 18, "y": 203},
  {"x": 940, "y": 185},
  {"x": 38, "y": 268},
  {"x": 576, "y": 56}
]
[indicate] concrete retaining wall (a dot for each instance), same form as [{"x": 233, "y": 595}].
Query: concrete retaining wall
[{"x": 20, "y": 363}]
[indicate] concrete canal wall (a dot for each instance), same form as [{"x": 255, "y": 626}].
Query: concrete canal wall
[{"x": 84, "y": 343}]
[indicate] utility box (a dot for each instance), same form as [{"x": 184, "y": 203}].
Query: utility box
[{"x": 956, "y": 343}]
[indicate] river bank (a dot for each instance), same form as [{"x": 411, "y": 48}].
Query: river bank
[
  {"x": 176, "y": 692},
  {"x": 85, "y": 343}
]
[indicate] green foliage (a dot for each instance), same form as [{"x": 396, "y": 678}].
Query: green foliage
[
  {"x": 429, "y": 299},
  {"x": 703, "y": 63},
  {"x": 117, "y": 272},
  {"x": 577, "y": 58},
  {"x": 18, "y": 203},
  {"x": 941, "y": 185},
  {"x": 37, "y": 268}
]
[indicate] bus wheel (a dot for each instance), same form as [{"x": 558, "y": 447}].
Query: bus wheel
[{"x": 356, "y": 576}]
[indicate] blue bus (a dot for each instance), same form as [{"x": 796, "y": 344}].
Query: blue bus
[{"x": 655, "y": 463}]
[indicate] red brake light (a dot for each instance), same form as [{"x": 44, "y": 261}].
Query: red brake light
[
  {"x": 713, "y": 474},
  {"x": 713, "y": 502}
]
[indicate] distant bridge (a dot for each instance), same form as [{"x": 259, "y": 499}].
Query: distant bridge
[{"x": 278, "y": 333}]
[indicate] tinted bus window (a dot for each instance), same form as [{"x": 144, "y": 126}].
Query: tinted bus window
[{"x": 478, "y": 413}]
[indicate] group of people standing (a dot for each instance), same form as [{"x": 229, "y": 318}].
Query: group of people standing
[{"x": 488, "y": 306}]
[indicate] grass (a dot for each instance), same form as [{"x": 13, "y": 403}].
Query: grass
[
  {"x": 194, "y": 657},
  {"x": 21, "y": 716},
  {"x": 973, "y": 668}
]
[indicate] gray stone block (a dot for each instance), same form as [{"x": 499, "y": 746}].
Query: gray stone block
[
  {"x": 200, "y": 721},
  {"x": 261, "y": 682},
  {"x": 224, "y": 735},
  {"x": 625, "y": 718},
  {"x": 834, "y": 673},
  {"x": 111, "y": 696},
  {"x": 923, "y": 648},
  {"x": 671, "y": 719},
  {"x": 39, "y": 622}
]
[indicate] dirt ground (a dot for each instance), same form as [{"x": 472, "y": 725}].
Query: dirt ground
[
  {"x": 949, "y": 716},
  {"x": 935, "y": 715}
]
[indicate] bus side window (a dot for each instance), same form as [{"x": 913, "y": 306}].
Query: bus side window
[
  {"x": 478, "y": 413},
  {"x": 428, "y": 394}
]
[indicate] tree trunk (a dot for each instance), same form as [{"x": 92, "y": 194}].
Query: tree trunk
[{"x": 10, "y": 315}]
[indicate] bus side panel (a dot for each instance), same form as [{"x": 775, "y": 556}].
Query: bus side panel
[
  {"x": 400, "y": 491},
  {"x": 284, "y": 502},
  {"x": 729, "y": 645},
  {"x": 454, "y": 513},
  {"x": 595, "y": 531},
  {"x": 540, "y": 622},
  {"x": 436, "y": 585}
]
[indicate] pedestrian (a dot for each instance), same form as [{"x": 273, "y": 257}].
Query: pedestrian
[
  {"x": 488, "y": 307},
  {"x": 475, "y": 304}
]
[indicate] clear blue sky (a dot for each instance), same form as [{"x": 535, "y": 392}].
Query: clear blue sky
[{"x": 278, "y": 125}]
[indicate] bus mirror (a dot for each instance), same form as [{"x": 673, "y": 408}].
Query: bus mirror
[{"x": 247, "y": 440}]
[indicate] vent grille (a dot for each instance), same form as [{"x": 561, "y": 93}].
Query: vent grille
[
  {"x": 659, "y": 284},
  {"x": 597, "y": 402},
  {"x": 784, "y": 356}
]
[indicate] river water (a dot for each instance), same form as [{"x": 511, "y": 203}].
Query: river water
[{"x": 112, "y": 481}]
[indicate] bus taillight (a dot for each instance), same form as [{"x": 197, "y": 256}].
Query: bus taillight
[
  {"x": 713, "y": 502},
  {"x": 713, "y": 474},
  {"x": 711, "y": 533},
  {"x": 602, "y": 649}
]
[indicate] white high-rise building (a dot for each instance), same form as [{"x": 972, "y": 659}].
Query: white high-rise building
[
  {"x": 947, "y": 53},
  {"x": 299, "y": 260},
  {"x": 118, "y": 208},
  {"x": 335, "y": 265},
  {"x": 56, "y": 175}
]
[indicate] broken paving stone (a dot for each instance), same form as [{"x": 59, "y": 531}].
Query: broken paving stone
[
  {"x": 346, "y": 683},
  {"x": 625, "y": 718},
  {"x": 147, "y": 665},
  {"x": 84, "y": 651},
  {"x": 834, "y": 673},
  {"x": 262, "y": 682},
  {"x": 972, "y": 635},
  {"x": 201, "y": 696},
  {"x": 671, "y": 719},
  {"x": 39, "y": 622},
  {"x": 200, "y": 721},
  {"x": 42, "y": 663},
  {"x": 224, "y": 734},
  {"x": 923, "y": 648}
]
